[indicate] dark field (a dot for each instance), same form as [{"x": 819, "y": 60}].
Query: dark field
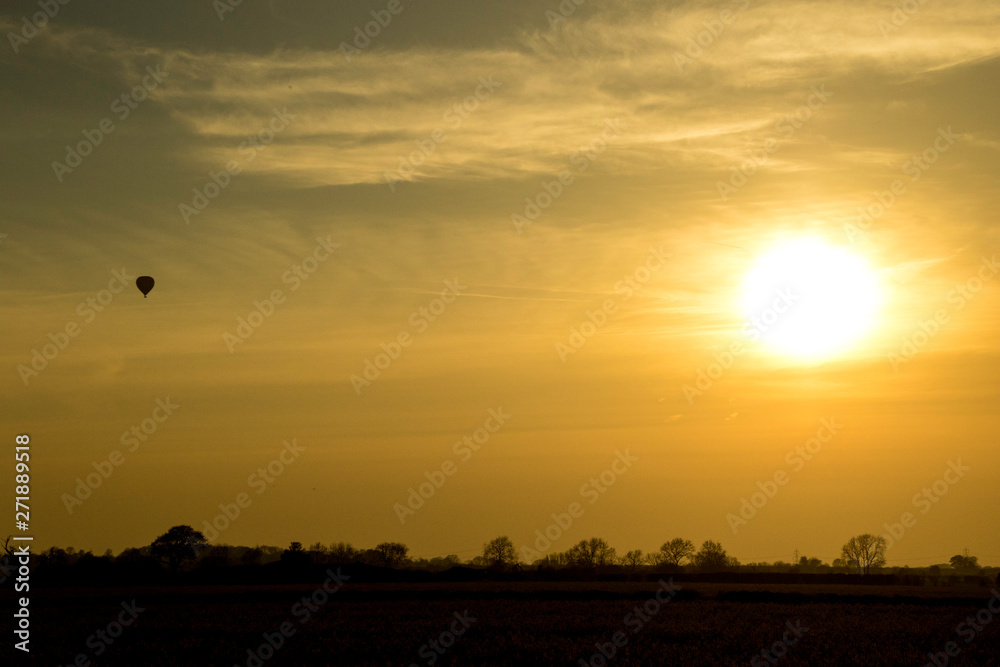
[{"x": 516, "y": 624}]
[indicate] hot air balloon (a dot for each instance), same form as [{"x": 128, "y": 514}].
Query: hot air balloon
[{"x": 144, "y": 283}]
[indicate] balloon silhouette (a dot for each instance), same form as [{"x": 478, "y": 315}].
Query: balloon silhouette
[{"x": 144, "y": 283}]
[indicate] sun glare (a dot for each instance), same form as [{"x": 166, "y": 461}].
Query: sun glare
[{"x": 809, "y": 299}]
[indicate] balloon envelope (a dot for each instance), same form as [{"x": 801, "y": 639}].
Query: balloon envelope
[{"x": 144, "y": 283}]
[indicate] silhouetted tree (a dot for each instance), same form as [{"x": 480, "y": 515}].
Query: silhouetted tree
[
  {"x": 318, "y": 553},
  {"x": 295, "y": 555},
  {"x": 177, "y": 545},
  {"x": 500, "y": 552},
  {"x": 54, "y": 556},
  {"x": 632, "y": 559},
  {"x": 865, "y": 552},
  {"x": 712, "y": 557},
  {"x": 965, "y": 563},
  {"x": 390, "y": 554},
  {"x": 591, "y": 553},
  {"x": 675, "y": 551},
  {"x": 809, "y": 564},
  {"x": 342, "y": 552}
]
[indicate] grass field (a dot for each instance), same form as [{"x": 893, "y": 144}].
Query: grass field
[{"x": 514, "y": 624}]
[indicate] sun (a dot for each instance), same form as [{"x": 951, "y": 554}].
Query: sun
[{"x": 809, "y": 299}]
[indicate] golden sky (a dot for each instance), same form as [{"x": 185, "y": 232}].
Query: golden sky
[{"x": 463, "y": 194}]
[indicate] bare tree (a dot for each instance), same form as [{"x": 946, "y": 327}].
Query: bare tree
[
  {"x": 391, "y": 554},
  {"x": 676, "y": 551},
  {"x": 500, "y": 552},
  {"x": 317, "y": 553},
  {"x": 342, "y": 552},
  {"x": 592, "y": 552},
  {"x": 865, "y": 552},
  {"x": 632, "y": 560},
  {"x": 8, "y": 560}
]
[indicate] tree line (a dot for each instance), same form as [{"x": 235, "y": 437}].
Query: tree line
[{"x": 182, "y": 548}]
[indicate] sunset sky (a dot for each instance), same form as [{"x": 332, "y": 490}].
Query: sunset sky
[{"x": 473, "y": 190}]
